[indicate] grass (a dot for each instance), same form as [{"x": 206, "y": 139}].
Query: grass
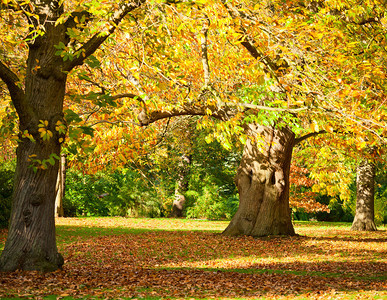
[{"x": 176, "y": 258}]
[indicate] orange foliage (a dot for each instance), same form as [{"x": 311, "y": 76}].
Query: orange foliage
[{"x": 301, "y": 194}]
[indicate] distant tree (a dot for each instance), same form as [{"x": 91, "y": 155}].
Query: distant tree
[{"x": 365, "y": 197}]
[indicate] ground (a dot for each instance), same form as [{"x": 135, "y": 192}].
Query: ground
[{"x": 177, "y": 258}]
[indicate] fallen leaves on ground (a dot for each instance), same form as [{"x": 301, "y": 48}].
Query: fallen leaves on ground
[{"x": 181, "y": 263}]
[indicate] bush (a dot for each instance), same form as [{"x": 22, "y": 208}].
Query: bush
[
  {"x": 120, "y": 193},
  {"x": 6, "y": 187},
  {"x": 340, "y": 211},
  {"x": 210, "y": 204}
]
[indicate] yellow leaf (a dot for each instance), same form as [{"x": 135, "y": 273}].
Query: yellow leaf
[
  {"x": 329, "y": 128},
  {"x": 314, "y": 127}
]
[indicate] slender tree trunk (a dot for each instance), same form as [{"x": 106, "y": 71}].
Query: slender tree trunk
[
  {"x": 182, "y": 186},
  {"x": 365, "y": 195},
  {"x": 60, "y": 187},
  {"x": 263, "y": 184}
]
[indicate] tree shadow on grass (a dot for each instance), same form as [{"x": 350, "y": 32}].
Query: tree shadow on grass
[
  {"x": 128, "y": 281},
  {"x": 127, "y": 263}
]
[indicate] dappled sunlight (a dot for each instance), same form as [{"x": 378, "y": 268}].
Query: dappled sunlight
[
  {"x": 143, "y": 223},
  {"x": 190, "y": 258}
]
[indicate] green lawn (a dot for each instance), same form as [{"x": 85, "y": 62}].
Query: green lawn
[{"x": 177, "y": 258}]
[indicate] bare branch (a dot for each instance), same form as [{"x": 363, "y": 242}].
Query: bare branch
[{"x": 206, "y": 67}]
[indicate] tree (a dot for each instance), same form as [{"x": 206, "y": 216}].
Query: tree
[
  {"x": 263, "y": 176},
  {"x": 59, "y": 38},
  {"x": 301, "y": 81},
  {"x": 365, "y": 195},
  {"x": 181, "y": 186},
  {"x": 60, "y": 187}
]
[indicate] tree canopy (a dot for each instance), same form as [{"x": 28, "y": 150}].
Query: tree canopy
[{"x": 83, "y": 74}]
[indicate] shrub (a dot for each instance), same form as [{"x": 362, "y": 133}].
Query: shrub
[
  {"x": 209, "y": 204},
  {"x": 120, "y": 193}
]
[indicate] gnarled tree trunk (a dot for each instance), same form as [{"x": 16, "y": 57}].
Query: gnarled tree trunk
[
  {"x": 263, "y": 184},
  {"x": 365, "y": 194},
  {"x": 31, "y": 243}
]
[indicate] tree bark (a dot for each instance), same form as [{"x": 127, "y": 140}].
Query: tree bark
[
  {"x": 182, "y": 186},
  {"x": 263, "y": 184},
  {"x": 365, "y": 195}
]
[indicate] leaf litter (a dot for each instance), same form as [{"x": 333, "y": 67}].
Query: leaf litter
[{"x": 183, "y": 259}]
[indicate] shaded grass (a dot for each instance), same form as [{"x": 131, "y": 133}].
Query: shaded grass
[
  {"x": 176, "y": 258},
  {"x": 294, "y": 272}
]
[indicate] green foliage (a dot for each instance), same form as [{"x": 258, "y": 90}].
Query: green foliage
[
  {"x": 209, "y": 204},
  {"x": 381, "y": 195},
  {"x": 120, "y": 193},
  {"x": 212, "y": 193},
  {"x": 340, "y": 211},
  {"x": 6, "y": 187}
]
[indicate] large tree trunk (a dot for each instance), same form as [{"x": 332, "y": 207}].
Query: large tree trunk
[
  {"x": 31, "y": 243},
  {"x": 365, "y": 194},
  {"x": 263, "y": 184},
  {"x": 182, "y": 186}
]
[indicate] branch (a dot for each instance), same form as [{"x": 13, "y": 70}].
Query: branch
[
  {"x": 112, "y": 122},
  {"x": 365, "y": 21},
  {"x": 248, "y": 42},
  {"x": 129, "y": 95},
  {"x": 206, "y": 67},
  {"x": 11, "y": 80},
  {"x": 261, "y": 107},
  {"x": 93, "y": 44},
  {"x": 222, "y": 112},
  {"x": 306, "y": 136},
  {"x": 146, "y": 119}
]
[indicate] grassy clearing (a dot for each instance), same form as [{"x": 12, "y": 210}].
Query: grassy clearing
[{"x": 176, "y": 258}]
